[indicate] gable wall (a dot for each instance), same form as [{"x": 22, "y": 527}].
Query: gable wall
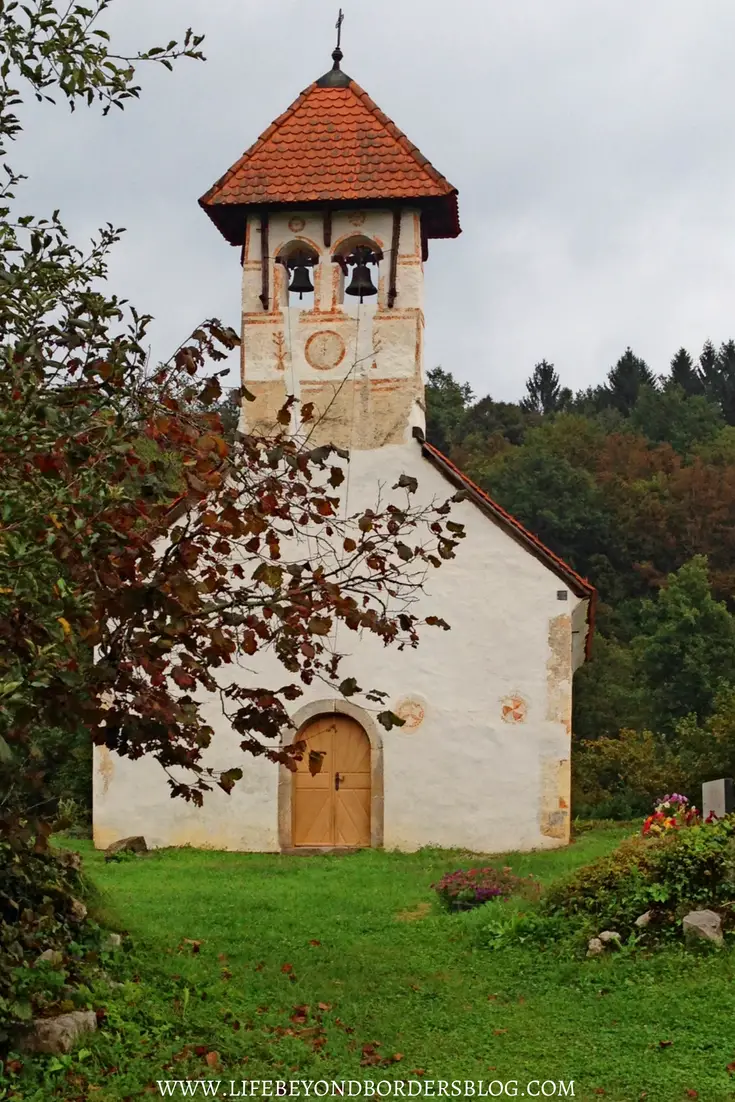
[{"x": 463, "y": 777}]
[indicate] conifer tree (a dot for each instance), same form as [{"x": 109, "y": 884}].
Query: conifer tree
[
  {"x": 544, "y": 392},
  {"x": 684, "y": 374}
]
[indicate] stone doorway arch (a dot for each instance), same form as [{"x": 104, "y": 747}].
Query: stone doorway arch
[{"x": 300, "y": 721}]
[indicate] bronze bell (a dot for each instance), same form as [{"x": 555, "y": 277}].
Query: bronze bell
[
  {"x": 301, "y": 283},
  {"x": 361, "y": 283}
]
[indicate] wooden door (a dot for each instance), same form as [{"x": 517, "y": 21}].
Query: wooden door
[{"x": 331, "y": 807}]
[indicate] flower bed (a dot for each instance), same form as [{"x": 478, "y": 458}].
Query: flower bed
[
  {"x": 671, "y": 813},
  {"x": 467, "y": 888}
]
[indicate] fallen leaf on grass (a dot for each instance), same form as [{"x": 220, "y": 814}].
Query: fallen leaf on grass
[
  {"x": 665, "y": 1044},
  {"x": 300, "y": 1014},
  {"x": 599, "y": 1090},
  {"x": 417, "y": 1071},
  {"x": 226, "y": 974},
  {"x": 692, "y": 1094},
  {"x": 492, "y": 998},
  {"x": 195, "y": 945},
  {"x": 287, "y": 968},
  {"x": 498, "y": 1031},
  {"x": 222, "y": 958},
  {"x": 370, "y": 1055},
  {"x": 260, "y": 967},
  {"x": 212, "y": 1059},
  {"x": 314, "y": 942},
  {"x": 325, "y": 1006},
  {"x": 731, "y": 1068}
]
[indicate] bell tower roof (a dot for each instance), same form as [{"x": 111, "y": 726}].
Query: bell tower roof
[{"x": 333, "y": 145}]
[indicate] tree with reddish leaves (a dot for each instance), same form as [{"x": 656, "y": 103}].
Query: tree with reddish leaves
[{"x": 140, "y": 550}]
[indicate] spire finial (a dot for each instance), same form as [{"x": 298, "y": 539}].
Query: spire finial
[{"x": 337, "y": 54}]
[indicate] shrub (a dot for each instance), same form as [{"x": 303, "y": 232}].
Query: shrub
[
  {"x": 466, "y": 888},
  {"x": 619, "y": 778},
  {"x": 531, "y": 927},
  {"x": 667, "y": 874},
  {"x": 39, "y": 909}
]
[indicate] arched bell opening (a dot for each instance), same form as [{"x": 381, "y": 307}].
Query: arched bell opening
[
  {"x": 359, "y": 259},
  {"x": 297, "y": 278}
]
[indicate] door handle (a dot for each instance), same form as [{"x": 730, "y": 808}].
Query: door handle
[{"x": 337, "y": 779}]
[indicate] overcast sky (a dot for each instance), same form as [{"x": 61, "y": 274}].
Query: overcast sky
[{"x": 591, "y": 143}]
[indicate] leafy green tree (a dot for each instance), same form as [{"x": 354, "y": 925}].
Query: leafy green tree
[
  {"x": 609, "y": 694},
  {"x": 669, "y": 416},
  {"x": 684, "y": 375},
  {"x": 558, "y": 502},
  {"x": 487, "y": 419},
  {"x": 544, "y": 392},
  {"x": 447, "y": 402},
  {"x": 686, "y": 646}
]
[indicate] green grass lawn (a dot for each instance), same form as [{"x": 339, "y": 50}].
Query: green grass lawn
[{"x": 303, "y": 962}]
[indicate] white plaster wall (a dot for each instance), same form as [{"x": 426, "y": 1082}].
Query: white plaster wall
[{"x": 464, "y": 778}]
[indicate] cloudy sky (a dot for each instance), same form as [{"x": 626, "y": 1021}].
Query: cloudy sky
[{"x": 591, "y": 143}]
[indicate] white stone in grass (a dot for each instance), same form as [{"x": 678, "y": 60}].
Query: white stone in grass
[
  {"x": 595, "y": 948},
  {"x": 78, "y": 910},
  {"x": 610, "y": 938},
  {"x": 52, "y": 956},
  {"x": 59, "y": 1035},
  {"x": 643, "y": 920},
  {"x": 703, "y": 926}
]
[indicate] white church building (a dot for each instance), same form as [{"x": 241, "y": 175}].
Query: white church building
[{"x": 330, "y": 201}]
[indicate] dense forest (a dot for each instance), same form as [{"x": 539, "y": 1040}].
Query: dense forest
[{"x": 633, "y": 483}]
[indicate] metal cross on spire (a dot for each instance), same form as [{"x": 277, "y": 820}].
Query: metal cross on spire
[{"x": 337, "y": 54}]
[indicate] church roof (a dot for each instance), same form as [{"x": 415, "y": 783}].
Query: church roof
[
  {"x": 333, "y": 144},
  {"x": 578, "y": 585}
]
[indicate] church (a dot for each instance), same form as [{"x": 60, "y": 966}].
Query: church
[{"x": 332, "y": 211}]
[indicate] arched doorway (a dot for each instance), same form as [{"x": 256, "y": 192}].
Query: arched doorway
[{"x": 331, "y": 789}]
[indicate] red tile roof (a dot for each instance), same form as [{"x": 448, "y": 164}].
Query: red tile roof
[
  {"x": 332, "y": 144},
  {"x": 578, "y": 585}
]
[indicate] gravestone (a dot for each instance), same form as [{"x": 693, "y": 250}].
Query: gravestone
[{"x": 718, "y": 797}]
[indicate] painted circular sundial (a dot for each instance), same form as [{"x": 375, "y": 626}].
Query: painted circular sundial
[
  {"x": 513, "y": 708},
  {"x": 325, "y": 350},
  {"x": 411, "y": 712},
  {"x": 296, "y": 224}
]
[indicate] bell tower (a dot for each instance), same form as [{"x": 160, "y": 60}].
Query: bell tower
[{"x": 333, "y": 209}]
